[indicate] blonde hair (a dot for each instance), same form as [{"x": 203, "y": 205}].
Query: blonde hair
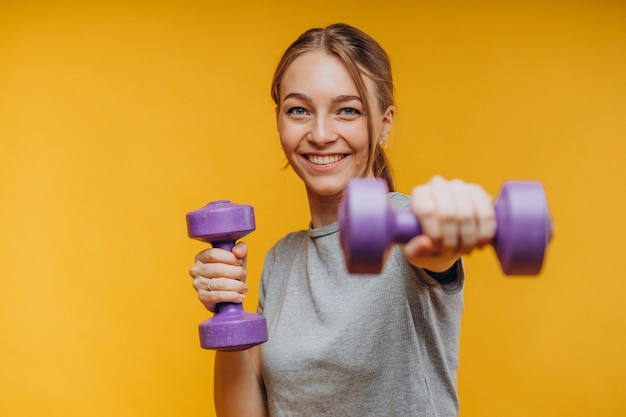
[{"x": 362, "y": 56}]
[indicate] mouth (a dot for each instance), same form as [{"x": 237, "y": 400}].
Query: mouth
[{"x": 325, "y": 159}]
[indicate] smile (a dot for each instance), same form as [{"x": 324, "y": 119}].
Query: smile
[{"x": 325, "y": 159}]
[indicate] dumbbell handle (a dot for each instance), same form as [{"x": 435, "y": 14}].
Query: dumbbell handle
[
  {"x": 226, "y": 245},
  {"x": 404, "y": 226}
]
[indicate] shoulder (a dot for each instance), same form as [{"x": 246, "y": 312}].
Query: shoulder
[
  {"x": 290, "y": 239},
  {"x": 289, "y": 243}
]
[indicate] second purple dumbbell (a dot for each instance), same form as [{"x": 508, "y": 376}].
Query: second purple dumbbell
[
  {"x": 222, "y": 223},
  {"x": 368, "y": 226}
]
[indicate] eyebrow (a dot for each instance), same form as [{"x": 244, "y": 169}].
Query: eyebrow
[
  {"x": 343, "y": 99},
  {"x": 338, "y": 99}
]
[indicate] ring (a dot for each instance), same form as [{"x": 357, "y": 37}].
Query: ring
[{"x": 208, "y": 287}]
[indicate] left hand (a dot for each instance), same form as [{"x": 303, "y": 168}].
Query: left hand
[{"x": 455, "y": 218}]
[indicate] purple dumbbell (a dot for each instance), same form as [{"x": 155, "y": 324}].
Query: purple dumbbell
[
  {"x": 368, "y": 226},
  {"x": 221, "y": 223}
]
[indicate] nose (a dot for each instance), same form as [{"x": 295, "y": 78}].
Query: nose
[{"x": 322, "y": 131}]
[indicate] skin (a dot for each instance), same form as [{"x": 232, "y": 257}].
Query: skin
[
  {"x": 321, "y": 115},
  {"x": 323, "y": 130}
]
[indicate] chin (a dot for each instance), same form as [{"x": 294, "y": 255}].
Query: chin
[{"x": 327, "y": 188}]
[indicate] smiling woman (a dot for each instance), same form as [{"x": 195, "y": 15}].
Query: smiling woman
[
  {"x": 331, "y": 349},
  {"x": 366, "y": 71}
]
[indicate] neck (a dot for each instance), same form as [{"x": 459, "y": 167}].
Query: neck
[{"x": 324, "y": 209}]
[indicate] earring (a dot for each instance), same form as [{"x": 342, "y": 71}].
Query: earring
[{"x": 382, "y": 142}]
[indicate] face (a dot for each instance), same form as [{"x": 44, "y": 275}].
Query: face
[{"x": 322, "y": 123}]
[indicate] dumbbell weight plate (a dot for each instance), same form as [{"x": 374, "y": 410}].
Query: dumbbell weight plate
[
  {"x": 362, "y": 224},
  {"x": 523, "y": 227}
]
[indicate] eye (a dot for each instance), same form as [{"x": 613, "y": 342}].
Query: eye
[
  {"x": 297, "y": 111},
  {"x": 349, "y": 111}
]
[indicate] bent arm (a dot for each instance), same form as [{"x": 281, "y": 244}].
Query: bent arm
[{"x": 239, "y": 389}]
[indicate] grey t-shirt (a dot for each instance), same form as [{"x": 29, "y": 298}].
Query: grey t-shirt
[{"x": 357, "y": 345}]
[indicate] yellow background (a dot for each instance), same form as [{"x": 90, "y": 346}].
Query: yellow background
[{"x": 118, "y": 117}]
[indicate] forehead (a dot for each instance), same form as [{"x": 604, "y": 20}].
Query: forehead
[
  {"x": 320, "y": 72},
  {"x": 317, "y": 69}
]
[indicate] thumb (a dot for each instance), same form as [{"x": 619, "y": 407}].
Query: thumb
[
  {"x": 419, "y": 247},
  {"x": 240, "y": 250}
]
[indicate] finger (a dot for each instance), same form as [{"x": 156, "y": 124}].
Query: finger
[
  {"x": 425, "y": 209},
  {"x": 419, "y": 247},
  {"x": 210, "y": 299},
  {"x": 484, "y": 213},
  {"x": 446, "y": 213},
  {"x": 240, "y": 250},
  {"x": 214, "y": 255},
  {"x": 219, "y": 284},
  {"x": 465, "y": 216},
  {"x": 217, "y": 270}
]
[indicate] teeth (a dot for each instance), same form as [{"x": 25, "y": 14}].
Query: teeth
[{"x": 324, "y": 160}]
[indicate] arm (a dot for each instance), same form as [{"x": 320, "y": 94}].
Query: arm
[
  {"x": 239, "y": 389},
  {"x": 456, "y": 218}
]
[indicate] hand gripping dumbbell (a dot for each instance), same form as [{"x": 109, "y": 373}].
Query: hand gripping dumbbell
[
  {"x": 368, "y": 226},
  {"x": 221, "y": 223}
]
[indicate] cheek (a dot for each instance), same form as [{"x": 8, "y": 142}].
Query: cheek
[
  {"x": 286, "y": 140},
  {"x": 290, "y": 136},
  {"x": 362, "y": 144},
  {"x": 362, "y": 150},
  {"x": 361, "y": 159},
  {"x": 289, "y": 146}
]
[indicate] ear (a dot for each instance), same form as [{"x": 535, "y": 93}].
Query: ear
[{"x": 387, "y": 121}]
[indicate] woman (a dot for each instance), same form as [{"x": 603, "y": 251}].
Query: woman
[{"x": 341, "y": 344}]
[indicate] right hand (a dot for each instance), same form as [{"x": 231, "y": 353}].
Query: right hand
[{"x": 227, "y": 273}]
